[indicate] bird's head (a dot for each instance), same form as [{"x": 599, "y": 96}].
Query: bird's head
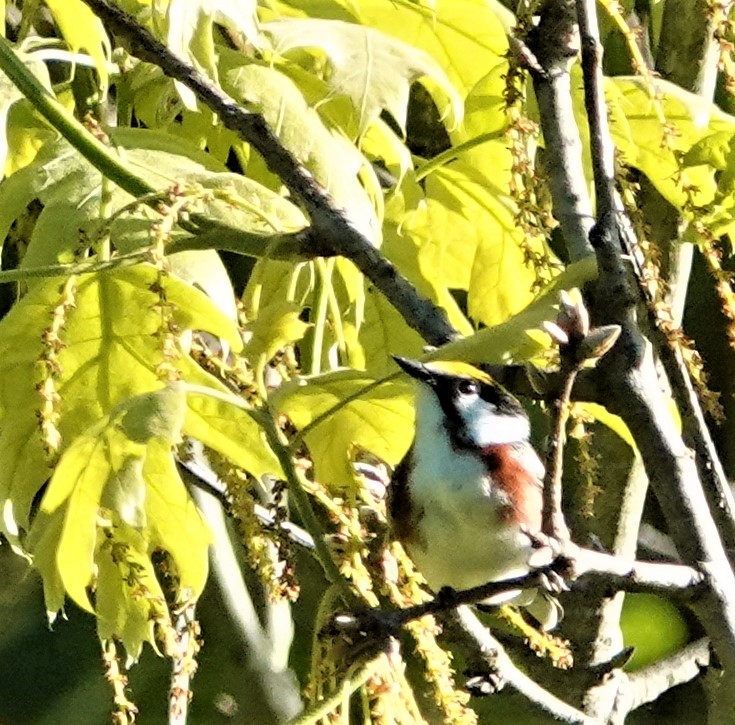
[{"x": 466, "y": 403}]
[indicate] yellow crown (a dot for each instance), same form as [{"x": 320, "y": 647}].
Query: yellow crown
[{"x": 457, "y": 367}]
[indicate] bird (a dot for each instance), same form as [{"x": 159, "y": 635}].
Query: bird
[{"x": 467, "y": 498}]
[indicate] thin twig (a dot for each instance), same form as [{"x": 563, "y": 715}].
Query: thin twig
[
  {"x": 576, "y": 564},
  {"x": 553, "y": 521},
  {"x": 202, "y": 476}
]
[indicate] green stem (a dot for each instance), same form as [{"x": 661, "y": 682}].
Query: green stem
[
  {"x": 99, "y": 155},
  {"x": 294, "y": 281},
  {"x": 306, "y": 512},
  {"x": 450, "y": 154},
  {"x": 297, "y": 440},
  {"x": 66, "y": 270},
  {"x": 351, "y": 683},
  {"x": 321, "y": 295},
  {"x": 334, "y": 311},
  {"x": 29, "y": 12},
  {"x": 104, "y": 159},
  {"x": 102, "y": 246}
]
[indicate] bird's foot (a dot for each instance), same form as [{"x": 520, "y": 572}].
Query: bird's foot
[
  {"x": 552, "y": 581},
  {"x": 545, "y": 548}
]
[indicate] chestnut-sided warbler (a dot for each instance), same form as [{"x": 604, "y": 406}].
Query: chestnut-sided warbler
[{"x": 469, "y": 491}]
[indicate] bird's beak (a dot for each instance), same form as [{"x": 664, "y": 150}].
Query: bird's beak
[{"x": 415, "y": 369}]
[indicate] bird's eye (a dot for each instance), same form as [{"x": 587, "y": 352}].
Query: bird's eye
[{"x": 468, "y": 387}]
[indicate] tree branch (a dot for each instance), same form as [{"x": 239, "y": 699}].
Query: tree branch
[
  {"x": 493, "y": 653},
  {"x": 331, "y": 226},
  {"x": 576, "y": 565},
  {"x": 592, "y": 620},
  {"x": 629, "y": 378},
  {"x": 648, "y": 684},
  {"x": 554, "y": 43}
]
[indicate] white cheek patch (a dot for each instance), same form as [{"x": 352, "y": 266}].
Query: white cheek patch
[{"x": 486, "y": 427}]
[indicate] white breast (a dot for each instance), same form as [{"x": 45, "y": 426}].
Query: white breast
[{"x": 465, "y": 541}]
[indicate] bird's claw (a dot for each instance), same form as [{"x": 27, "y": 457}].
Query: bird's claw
[
  {"x": 546, "y": 549},
  {"x": 552, "y": 581}
]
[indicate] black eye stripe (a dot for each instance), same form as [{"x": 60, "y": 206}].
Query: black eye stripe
[{"x": 449, "y": 389}]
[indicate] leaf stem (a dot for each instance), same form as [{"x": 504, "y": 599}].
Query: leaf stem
[
  {"x": 67, "y": 270},
  {"x": 321, "y": 295},
  {"x": 298, "y": 439},
  {"x": 334, "y": 310},
  {"x": 350, "y": 684},
  {"x": 306, "y": 512},
  {"x": 99, "y": 155},
  {"x": 452, "y": 153}
]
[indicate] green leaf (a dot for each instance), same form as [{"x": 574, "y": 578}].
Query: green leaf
[
  {"x": 70, "y": 189},
  {"x": 380, "y": 421},
  {"x": 372, "y": 69},
  {"x": 110, "y": 355},
  {"x": 26, "y": 133},
  {"x": 121, "y": 498},
  {"x": 714, "y": 150},
  {"x": 465, "y": 37},
  {"x": 519, "y": 338},
  {"x": 82, "y": 29},
  {"x": 332, "y": 159},
  {"x": 485, "y": 113},
  {"x": 41, "y": 542},
  {"x": 471, "y": 239},
  {"x": 188, "y": 26},
  {"x": 383, "y": 331},
  {"x": 614, "y": 422},
  {"x": 276, "y": 326},
  {"x": 11, "y": 144},
  {"x": 639, "y": 135},
  {"x": 230, "y": 431},
  {"x": 108, "y": 467},
  {"x": 121, "y": 613}
]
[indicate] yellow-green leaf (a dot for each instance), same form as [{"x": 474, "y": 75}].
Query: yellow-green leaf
[
  {"x": 81, "y": 28},
  {"x": 465, "y": 37},
  {"x": 231, "y": 431},
  {"x": 374, "y": 70},
  {"x": 471, "y": 239},
  {"x": 381, "y": 421},
  {"x": 121, "y": 498},
  {"x": 110, "y": 355},
  {"x": 277, "y": 325},
  {"x": 518, "y": 338}
]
